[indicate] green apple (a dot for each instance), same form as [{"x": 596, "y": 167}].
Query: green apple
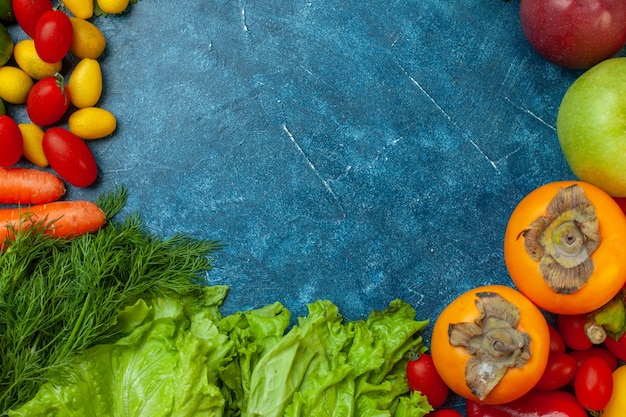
[{"x": 591, "y": 126}]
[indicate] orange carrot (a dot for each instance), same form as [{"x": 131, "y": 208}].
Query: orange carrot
[
  {"x": 29, "y": 186},
  {"x": 69, "y": 218}
]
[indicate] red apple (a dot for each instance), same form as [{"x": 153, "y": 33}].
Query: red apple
[{"x": 574, "y": 33}]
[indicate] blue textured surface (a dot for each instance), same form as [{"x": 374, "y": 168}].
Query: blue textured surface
[{"x": 358, "y": 151}]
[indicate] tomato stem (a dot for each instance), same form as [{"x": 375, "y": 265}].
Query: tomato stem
[
  {"x": 60, "y": 82},
  {"x": 609, "y": 320}
]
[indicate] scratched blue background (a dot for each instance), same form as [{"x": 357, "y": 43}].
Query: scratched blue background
[{"x": 354, "y": 150}]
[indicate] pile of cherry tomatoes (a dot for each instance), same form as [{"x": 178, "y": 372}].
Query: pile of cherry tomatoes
[
  {"x": 576, "y": 363},
  {"x": 63, "y": 115}
]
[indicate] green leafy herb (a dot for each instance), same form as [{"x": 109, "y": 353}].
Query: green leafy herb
[
  {"x": 59, "y": 297},
  {"x": 165, "y": 366},
  {"x": 121, "y": 322},
  {"x": 179, "y": 358}
]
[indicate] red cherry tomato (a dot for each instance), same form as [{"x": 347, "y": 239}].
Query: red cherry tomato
[
  {"x": 11, "y": 141},
  {"x": 422, "y": 376},
  {"x": 572, "y": 329},
  {"x": 445, "y": 412},
  {"x": 557, "y": 344},
  {"x": 48, "y": 100},
  {"x": 574, "y": 34},
  {"x": 605, "y": 354},
  {"x": 593, "y": 384},
  {"x": 53, "y": 36},
  {"x": 621, "y": 201},
  {"x": 559, "y": 371},
  {"x": 70, "y": 157},
  {"x": 617, "y": 348},
  {"x": 27, "y": 12}
]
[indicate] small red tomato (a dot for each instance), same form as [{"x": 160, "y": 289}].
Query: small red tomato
[
  {"x": 593, "y": 384},
  {"x": 28, "y": 12},
  {"x": 557, "y": 344},
  {"x": 621, "y": 201},
  {"x": 423, "y": 377},
  {"x": 48, "y": 100},
  {"x": 11, "y": 141},
  {"x": 617, "y": 347},
  {"x": 70, "y": 157},
  {"x": 445, "y": 412},
  {"x": 605, "y": 354},
  {"x": 572, "y": 329},
  {"x": 53, "y": 36},
  {"x": 559, "y": 371}
]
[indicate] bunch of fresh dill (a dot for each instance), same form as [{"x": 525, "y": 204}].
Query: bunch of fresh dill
[{"x": 61, "y": 296}]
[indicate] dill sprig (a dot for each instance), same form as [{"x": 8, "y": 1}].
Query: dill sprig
[{"x": 59, "y": 297}]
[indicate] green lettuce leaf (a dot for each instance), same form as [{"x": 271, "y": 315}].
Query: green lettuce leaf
[
  {"x": 252, "y": 332},
  {"x": 179, "y": 357},
  {"x": 165, "y": 366},
  {"x": 322, "y": 366}
]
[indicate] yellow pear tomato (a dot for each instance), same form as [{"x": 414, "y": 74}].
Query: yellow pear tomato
[
  {"x": 82, "y": 9},
  {"x": 617, "y": 404},
  {"x": 85, "y": 83},
  {"x": 113, "y": 6},
  {"x": 15, "y": 84},
  {"x": 88, "y": 41},
  {"x": 92, "y": 123},
  {"x": 27, "y": 59},
  {"x": 33, "y": 148}
]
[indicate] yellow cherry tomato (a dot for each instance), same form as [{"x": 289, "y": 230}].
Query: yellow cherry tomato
[
  {"x": 113, "y": 6},
  {"x": 92, "y": 123},
  {"x": 617, "y": 403},
  {"x": 85, "y": 83},
  {"x": 33, "y": 150},
  {"x": 83, "y": 9},
  {"x": 88, "y": 41},
  {"x": 15, "y": 84},
  {"x": 28, "y": 60}
]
